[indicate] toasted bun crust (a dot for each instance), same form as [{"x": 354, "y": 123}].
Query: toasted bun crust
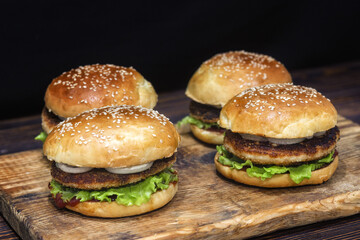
[
  {"x": 95, "y": 86},
  {"x": 204, "y": 135},
  {"x": 224, "y": 75},
  {"x": 112, "y": 137},
  {"x": 279, "y": 111},
  {"x": 279, "y": 180},
  {"x": 114, "y": 210}
]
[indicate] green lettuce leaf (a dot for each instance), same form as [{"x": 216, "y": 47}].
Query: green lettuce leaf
[
  {"x": 132, "y": 194},
  {"x": 226, "y": 158},
  {"x": 327, "y": 159},
  {"x": 197, "y": 122},
  {"x": 297, "y": 174},
  {"x": 41, "y": 137},
  {"x": 265, "y": 172}
]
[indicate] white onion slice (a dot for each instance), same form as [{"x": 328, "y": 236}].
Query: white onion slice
[
  {"x": 253, "y": 137},
  {"x": 286, "y": 141},
  {"x": 72, "y": 169},
  {"x": 133, "y": 169},
  {"x": 282, "y": 141},
  {"x": 318, "y": 134}
]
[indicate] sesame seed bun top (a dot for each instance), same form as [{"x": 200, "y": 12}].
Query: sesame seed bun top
[
  {"x": 279, "y": 111},
  {"x": 120, "y": 136},
  {"x": 226, "y": 74},
  {"x": 95, "y": 86}
]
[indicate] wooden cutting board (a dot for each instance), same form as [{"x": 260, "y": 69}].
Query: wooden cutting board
[{"x": 206, "y": 205}]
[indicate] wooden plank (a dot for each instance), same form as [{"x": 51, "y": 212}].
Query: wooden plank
[
  {"x": 6, "y": 232},
  {"x": 19, "y": 138},
  {"x": 343, "y": 228},
  {"x": 338, "y": 82},
  {"x": 206, "y": 205},
  {"x": 16, "y": 122}
]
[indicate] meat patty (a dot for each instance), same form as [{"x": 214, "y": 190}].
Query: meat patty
[
  {"x": 266, "y": 153},
  {"x": 99, "y": 178},
  {"x": 203, "y": 112},
  {"x": 49, "y": 120}
]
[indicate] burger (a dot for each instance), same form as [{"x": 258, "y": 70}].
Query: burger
[
  {"x": 218, "y": 80},
  {"x": 278, "y": 135},
  {"x": 113, "y": 161},
  {"x": 93, "y": 86}
]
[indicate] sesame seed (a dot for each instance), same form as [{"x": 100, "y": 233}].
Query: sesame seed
[
  {"x": 236, "y": 61},
  {"x": 99, "y": 78},
  {"x": 274, "y": 96},
  {"x": 111, "y": 116}
]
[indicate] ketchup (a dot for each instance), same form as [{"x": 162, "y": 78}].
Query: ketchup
[{"x": 61, "y": 204}]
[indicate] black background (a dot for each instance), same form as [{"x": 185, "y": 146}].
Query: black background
[{"x": 166, "y": 41}]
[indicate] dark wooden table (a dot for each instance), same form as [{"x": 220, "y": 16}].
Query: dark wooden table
[{"x": 340, "y": 83}]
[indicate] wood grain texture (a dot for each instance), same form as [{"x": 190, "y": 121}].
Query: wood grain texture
[
  {"x": 6, "y": 232},
  {"x": 206, "y": 205},
  {"x": 338, "y": 82},
  {"x": 341, "y": 228}
]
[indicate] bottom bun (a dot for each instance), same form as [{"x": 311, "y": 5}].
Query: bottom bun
[
  {"x": 212, "y": 137},
  {"x": 48, "y": 120},
  {"x": 114, "y": 210},
  {"x": 279, "y": 180}
]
